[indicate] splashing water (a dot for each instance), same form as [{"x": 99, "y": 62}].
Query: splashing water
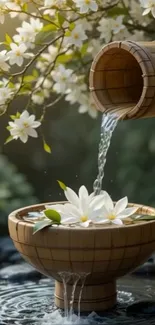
[
  {"x": 31, "y": 303},
  {"x": 70, "y": 317},
  {"x": 108, "y": 125}
]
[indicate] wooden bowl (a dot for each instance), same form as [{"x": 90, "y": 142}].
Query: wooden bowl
[
  {"x": 105, "y": 253},
  {"x": 122, "y": 79}
]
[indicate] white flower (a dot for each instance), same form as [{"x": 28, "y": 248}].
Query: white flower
[
  {"x": 81, "y": 209},
  {"x": 86, "y": 5},
  {"x": 2, "y": 11},
  {"x": 87, "y": 106},
  {"x": 24, "y": 126},
  {"x": 50, "y": 3},
  {"x": 86, "y": 25},
  {"x": 77, "y": 36},
  {"x": 62, "y": 78},
  {"x": 94, "y": 47},
  {"x": 5, "y": 94},
  {"x": 149, "y": 6},
  {"x": 117, "y": 25},
  {"x": 3, "y": 58},
  {"x": 105, "y": 29},
  {"x": 17, "y": 54},
  {"x": 114, "y": 214},
  {"x": 28, "y": 32}
]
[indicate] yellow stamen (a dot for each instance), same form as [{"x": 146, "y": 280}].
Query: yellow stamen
[
  {"x": 84, "y": 218},
  {"x": 26, "y": 124},
  {"x": 76, "y": 35},
  {"x": 112, "y": 217},
  {"x": 18, "y": 53}
]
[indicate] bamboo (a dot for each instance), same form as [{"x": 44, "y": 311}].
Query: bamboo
[
  {"x": 122, "y": 79},
  {"x": 105, "y": 253}
]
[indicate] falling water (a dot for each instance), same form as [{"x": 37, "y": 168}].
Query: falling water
[
  {"x": 108, "y": 125},
  {"x": 83, "y": 279},
  {"x": 65, "y": 276},
  {"x": 76, "y": 278}
]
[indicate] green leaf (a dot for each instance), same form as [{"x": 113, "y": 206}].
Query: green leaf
[
  {"x": 117, "y": 11},
  {"x": 61, "y": 19},
  {"x": 41, "y": 225},
  {"x": 53, "y": 215},
  {"x": 29, "y": 78},
  {"x": 46, "y": 147},
  {"x": 8, "y": 39},
  {"x": 9, "y": 139},
  {"x": 49, "y": 27},
  {"x": 146, "y": 218},
  {"x": 24, "y": 7},
  {"x": 64, "y": 58},
  {"x": 62, "y": 185},
  {"x": 84, "y": 48},
  {"x": 35, "y": 73}
]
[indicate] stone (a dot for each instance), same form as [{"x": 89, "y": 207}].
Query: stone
[
  {"x": 142, "y": 308},
  {"x": 7, "y": 250},
  {"x": 20, "y": 273}
]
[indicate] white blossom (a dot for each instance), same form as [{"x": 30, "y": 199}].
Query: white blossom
[
  {"x": 105, "y": 29},
  {"x": 62, "y": 77},
  {"x": 50, "y": 3},
  {"x": 149, "y": 6},
  {"x": 17, "y": 54},
  {"x": 2, "y": 11},
  {"x": 86, "y": 5},
  {"x": 5, "y": 94},
  {"x": 117, "y": 24},
  {"x": 87, "y": 105},
  {"x": 77, "y": 36},
  {"x": 24, "y": 126},
  {"x": 80, "y": 208},
  {"x": 3, "y": 58},
  {"x": 110, "y": 213},
  {"x": 28, "y": 31}
]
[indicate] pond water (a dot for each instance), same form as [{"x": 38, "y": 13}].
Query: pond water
[{"x": 32, "y": 302}]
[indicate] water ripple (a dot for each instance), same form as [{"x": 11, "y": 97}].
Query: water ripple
[{"x": 32, "y": 304}]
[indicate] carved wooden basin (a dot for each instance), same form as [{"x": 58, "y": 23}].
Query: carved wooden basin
[{"x": 106, "y": 253}]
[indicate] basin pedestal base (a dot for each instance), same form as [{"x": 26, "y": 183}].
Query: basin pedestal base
[{"x": 94, "y": 297}]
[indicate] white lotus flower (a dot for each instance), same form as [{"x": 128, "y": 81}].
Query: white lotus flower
[
  {"x": 149, "y": 6},
  {"x": 114, "y": 214},
  {"x": 80, "y": 209}
]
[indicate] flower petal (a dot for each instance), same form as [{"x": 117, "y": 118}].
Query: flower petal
[
  {"x": 85, "y": 224},
  {"x": 83, "y": 192},
  {"x": 68, "y": 219},
  {"x": 104, "y": 213},
  {"x": 121, "y": 205},
  {"x": 146, "y": 11},
  {"x": 108, "y": 201},
  {"x": 128, "y": 212},
  {"x": 100, "y": 221},
  {"x": 97, "y": 202},
  {"x": 117, "y": 221},
  {"x": 71, "y": 196}
]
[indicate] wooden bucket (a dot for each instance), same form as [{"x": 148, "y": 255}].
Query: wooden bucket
[
  {"x": 105, "y": 254},
  {"x": 122, "y": 79}
]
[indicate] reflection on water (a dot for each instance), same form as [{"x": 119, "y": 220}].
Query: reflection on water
[{"x": 32, "y": 304}]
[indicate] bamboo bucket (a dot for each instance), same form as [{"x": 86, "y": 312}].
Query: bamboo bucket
[
  {"x": 122, "y": 79},
  {"x": 105, "y": 253}
]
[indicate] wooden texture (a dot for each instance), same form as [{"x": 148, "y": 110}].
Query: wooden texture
[
  {"x": 122, "y": 79},
  {"x": 106, "y": 253}
]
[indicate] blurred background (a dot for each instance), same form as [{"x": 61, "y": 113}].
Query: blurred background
[{"x": 29, "y": 175}]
